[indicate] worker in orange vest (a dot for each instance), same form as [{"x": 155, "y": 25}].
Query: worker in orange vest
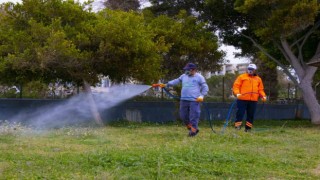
[{"x": 248, "y": 87}]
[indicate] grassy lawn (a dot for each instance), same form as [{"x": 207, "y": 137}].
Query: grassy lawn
[{"x": 275, "y": 150}]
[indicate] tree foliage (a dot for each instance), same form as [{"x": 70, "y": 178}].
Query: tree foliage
[
  {"x": 125, "y": 5},
  {"x": 126, "y": 47},
  {"x": 188, "y": 41},
  {"x": 40, "y": 43},
  {"x": 50, "y": 40},
  {"x": 54, "y": 40},
  {"x": 172, "y": 8}
]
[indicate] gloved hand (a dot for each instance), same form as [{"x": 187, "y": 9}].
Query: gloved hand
[
  {"x": 264, "y": 99},
  {"x": 159, "y": 85},
  {"x": 162, "y": 85},
  {"x": 238, "y": 95},
  {"x": 199, "y": 99}
]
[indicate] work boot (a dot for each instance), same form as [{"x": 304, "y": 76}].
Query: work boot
[
  {"x": 192, "y": 134},
  {"x": 189, "y": 126}
]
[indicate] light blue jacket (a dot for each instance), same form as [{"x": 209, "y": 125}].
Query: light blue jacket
[{"x": 192, "y": 86}]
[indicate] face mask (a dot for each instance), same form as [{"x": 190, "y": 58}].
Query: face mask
[
  {"x": 187, "y": 72},
  {"x": 250, "y": 71}
]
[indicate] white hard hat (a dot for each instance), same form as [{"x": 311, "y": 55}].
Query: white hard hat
[{"x": 252, "y": 66}]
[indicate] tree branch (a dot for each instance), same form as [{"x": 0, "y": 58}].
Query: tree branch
[
  {"x": 306, "y": 36},
  {"x": 316, "y": 56},
  {"x": 300, "y": 56},
  {"x": 285, "y": 69},
  {"x": 282, "y": 51},
  {"x": 310, "y": 71},
  {"x": 294, "y": 60}
]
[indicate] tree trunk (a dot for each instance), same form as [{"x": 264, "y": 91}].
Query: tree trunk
[
  {"x": 305, "y": 74},
  {"x": 311, "y": 101},
  {"x": 92, "y": 104}
]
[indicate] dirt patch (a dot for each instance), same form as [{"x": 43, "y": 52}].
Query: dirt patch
[
  {"x": 316, "y": 171},
  {"x": 3, "y": 167}
]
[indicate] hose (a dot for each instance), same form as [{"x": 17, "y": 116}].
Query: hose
[
  {"x": 204, "y": 104},
  {"x": 228, "y": 116},
  {"x": 231, "y": 110}
]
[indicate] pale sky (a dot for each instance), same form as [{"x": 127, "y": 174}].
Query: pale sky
[
  {"x": 2, "y": 1},
  {"x": 96, "y": 4},
  {"x": 230, "y": 50}
]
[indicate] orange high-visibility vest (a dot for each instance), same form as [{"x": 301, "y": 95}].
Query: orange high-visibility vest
[{"x": 250, "y": 87}]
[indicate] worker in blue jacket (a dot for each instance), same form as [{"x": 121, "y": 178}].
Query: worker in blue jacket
[{"x": 194, "y": 88}]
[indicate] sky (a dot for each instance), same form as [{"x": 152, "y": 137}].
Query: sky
[{"x": 230, "y": 50}]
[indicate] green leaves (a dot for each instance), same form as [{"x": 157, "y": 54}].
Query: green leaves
[
  {"x": 37, "y": 41},
  {"x": 60, "y": 40},
  {"x": 279, "y": 18},
  {"x": 185, "y": 40},
  {"x": 126, "y": 47},
  {"x": 49, "y": 40}
]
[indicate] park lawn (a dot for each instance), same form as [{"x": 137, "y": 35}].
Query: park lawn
[{"x": 275, "y": 150}]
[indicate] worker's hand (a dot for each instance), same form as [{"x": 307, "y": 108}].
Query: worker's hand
[
  {"x": 162, "y": 85},
  {"x": 159, "y": 85},
  {"x": 264, "y": 99},
  {"x": 199, "y": 99},
  {"x": 238, "y": 95}
]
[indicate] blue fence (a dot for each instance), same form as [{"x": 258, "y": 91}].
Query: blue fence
[{"x": 25, "y": 110}]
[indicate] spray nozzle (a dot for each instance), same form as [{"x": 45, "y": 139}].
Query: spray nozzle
[{"x": 158, "y": 85}]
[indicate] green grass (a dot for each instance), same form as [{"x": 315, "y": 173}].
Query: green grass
[{"x": 275, "y": 150}]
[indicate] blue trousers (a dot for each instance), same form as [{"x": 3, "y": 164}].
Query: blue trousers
[
  {"x": 190, "y": 113},
  {"x": 243, "y": 107}
]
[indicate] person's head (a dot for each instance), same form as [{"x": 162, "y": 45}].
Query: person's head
[
  {"x": 190, "y": 69},
  {"x": 251, "y": 70}
]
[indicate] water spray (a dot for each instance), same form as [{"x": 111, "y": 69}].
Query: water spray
[{"x": 76, "y": 110}]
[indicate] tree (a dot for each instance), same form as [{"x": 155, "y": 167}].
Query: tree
[
  {"x": 126, "y": 49},
  {"x": 285, "y": 31},
  {"x": 172, "y": 8},
  {"x": 124, "y": 5},
  {"x": 50, "y": 40},
  {"x": 186, "y": 40},
  {"x": 40, "y": 44},
  {"x": 59, "y": 40}
]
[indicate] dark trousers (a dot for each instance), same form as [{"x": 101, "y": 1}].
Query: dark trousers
[
  {"x": 243, "y": 107},
  {"x": 190, "y": 113}
]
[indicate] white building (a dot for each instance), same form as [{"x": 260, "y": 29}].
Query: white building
[
  {"x": 242, "y": 67},
  {"x": 231, "y": 69}
]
